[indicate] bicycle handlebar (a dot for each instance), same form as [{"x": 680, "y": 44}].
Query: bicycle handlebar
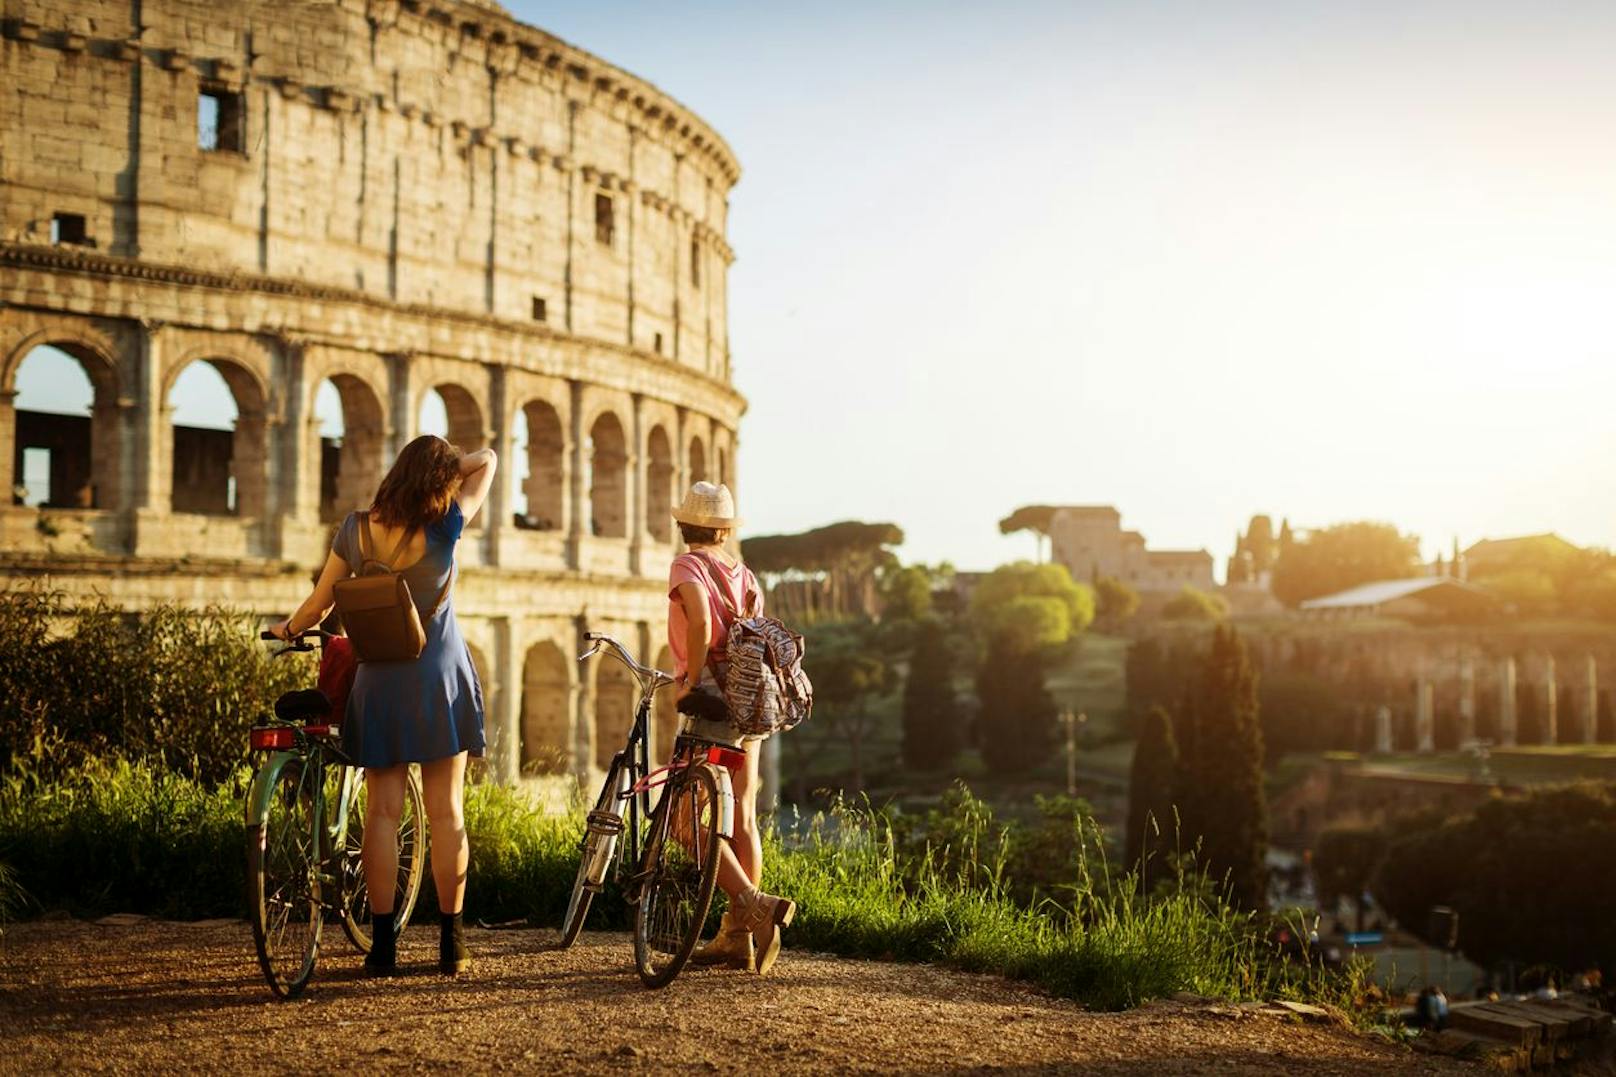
[{"x": 600, "y": 640}]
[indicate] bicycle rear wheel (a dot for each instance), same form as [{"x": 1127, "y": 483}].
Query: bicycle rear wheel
[
  {"x": 596, "y": 853},
  {"x": 411, "y": 861},
  {"x": 283, "y": 880},
  {"x": 677, "y": 875}
]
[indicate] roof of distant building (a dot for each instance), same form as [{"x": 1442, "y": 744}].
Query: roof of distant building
[
  {"x": 1383, "y": 591},
  {"x": 1496, "y": 546},
  {"x": 1178, "y": 555}
]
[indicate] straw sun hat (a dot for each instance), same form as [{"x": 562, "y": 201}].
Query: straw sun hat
[{"x": 707, "y": 505}]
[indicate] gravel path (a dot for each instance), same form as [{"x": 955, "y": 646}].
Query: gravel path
[{"x": 158, "y": 996}]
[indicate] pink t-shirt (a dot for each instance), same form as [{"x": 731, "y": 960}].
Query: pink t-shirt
[{"x": 687, "y": 568}]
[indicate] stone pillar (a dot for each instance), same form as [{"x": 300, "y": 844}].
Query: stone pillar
[
  {"x": 497, "y": 512},
  {"x": 8, "y": 444},
  {"x": 1590, "y": 700},
  {"x": 1551, "y": 703},
  {"x": 577, "y": 494},
  {"x": 1383, "y": 729},
  {"x": 1506, "y": 703},
  {"x": 504, "y": 703},
  {"x": 583, "y": 713},
  {"x": 1425, "y": 715},
  {"x": 404, "y": 417},
  {"x": 635, "y": 471},
  {"x": 1467, "y": 700}
]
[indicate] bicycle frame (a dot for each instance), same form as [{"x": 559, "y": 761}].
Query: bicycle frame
[{"x": 318, "y": 758}]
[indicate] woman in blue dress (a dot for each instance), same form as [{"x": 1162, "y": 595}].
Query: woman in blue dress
[{"x": 428, "y": 710}]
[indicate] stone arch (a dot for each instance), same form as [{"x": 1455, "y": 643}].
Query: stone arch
[
  {"x": 350, "y": 466},
  {"x": 82, "y": 450},
  {"x": 659, "y": 485},
  {"x": 615, "y": 697},
  {"x": 696, "y": 469},
  {"x": 608, "y": 477},
  {"x": 200, "y": 478},
  {"x": 546, "y": 736},
  {"x": 546, "y": 484},
  {"x": 664, "y": 716},
  {"x": 465, "y": 428}
]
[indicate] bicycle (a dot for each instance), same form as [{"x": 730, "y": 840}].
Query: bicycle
[
  {"x": 670, "y": 867},
  {"x": 302, "y": 866}
]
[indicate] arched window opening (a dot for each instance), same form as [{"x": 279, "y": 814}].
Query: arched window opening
[
  {"x": 659, "y": 485},
  {"x": 698, "y": 461},
  {"x": 614, "y": 710},
  {"x": 451, "y": 412},
  {"x": 351, "y": 432},
  {"x": 608, "y": 478},
  {"x": 546, "y": 712},
  {"x": 53, "y": 461},
  {"x": 218, "y": 440},
  {"x": 541, "y": 454}
]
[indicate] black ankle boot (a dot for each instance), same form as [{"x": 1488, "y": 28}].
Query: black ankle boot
[
  {"x": 383, "y": 957},
  {"x": 453, "y": 957}
]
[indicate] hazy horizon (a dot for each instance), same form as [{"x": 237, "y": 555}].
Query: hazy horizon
[{"x": 1193, "y": 261}]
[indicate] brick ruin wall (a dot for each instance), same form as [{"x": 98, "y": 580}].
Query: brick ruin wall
[{"x": 398, "y": 198}]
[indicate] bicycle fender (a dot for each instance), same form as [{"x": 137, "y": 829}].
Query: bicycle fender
[
  {"x": 726, "y": 800},
  {"x": 263, "y": 786}
]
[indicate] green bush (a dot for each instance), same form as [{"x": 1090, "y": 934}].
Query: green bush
[{"x": 169, "y": 684}]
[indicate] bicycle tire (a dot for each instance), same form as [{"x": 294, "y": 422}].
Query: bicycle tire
[
  {"x": 583, "y": 893},
  {"x": 675, "y": 882},
  {"x": 411, "y": 862},
  {"x": 283, "y": 879}
]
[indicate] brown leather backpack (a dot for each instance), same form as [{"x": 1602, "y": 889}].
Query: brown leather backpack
[{"x": 377, "y": 610}]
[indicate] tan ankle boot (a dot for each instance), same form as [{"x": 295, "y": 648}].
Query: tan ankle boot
[
  {"x": 732, "y": 946},
  {"x": 764, "y": 915}
]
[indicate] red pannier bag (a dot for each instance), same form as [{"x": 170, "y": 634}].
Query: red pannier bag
[{"x": 338, "y": 663}]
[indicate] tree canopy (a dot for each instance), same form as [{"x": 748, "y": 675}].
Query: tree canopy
[
  {"x": 1028, "y": 518},
  {"x": 1029, "y": 607},
  {"x": 829, "y": 571},
  {"x": 1331, "y": 559}
]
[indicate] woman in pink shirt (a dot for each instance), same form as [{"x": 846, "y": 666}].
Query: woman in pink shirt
[{"x": 698, "y": 629}]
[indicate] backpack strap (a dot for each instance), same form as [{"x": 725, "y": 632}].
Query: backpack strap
[
  {"x": 454, "y": 568},
  {"x": 366, "y": 545},
  {"x": 749, "y": 596}
]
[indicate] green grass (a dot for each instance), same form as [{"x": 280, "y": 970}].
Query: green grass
[{"x": 128, "y": 837}]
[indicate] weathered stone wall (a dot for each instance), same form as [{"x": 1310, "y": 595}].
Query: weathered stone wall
[{"x": 397, "y": 197}]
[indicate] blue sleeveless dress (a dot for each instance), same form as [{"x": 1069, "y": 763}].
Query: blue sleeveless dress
[{"x": 431, "y": 708}]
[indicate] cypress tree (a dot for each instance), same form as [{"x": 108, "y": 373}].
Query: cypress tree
[
  {"x": 1151, "y": 824},
  {"x": 1220, "y": 776},
  {"x": 931, "y": 712},
  {"x": 1016, "y": 730}
]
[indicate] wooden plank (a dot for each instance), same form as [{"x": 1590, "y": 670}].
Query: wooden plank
[
  {"x": 1556, "y": 1026},
  {"x": 1489, "y": 1020}
]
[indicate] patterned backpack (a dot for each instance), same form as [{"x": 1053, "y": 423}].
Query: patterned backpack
[{"x": 764, "y": 684}]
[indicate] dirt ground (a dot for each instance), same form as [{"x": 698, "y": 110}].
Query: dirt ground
[{"x": 149, "y": 996}]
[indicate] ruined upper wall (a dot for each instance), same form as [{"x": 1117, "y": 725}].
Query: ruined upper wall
[{"x": 437, "y": 154}]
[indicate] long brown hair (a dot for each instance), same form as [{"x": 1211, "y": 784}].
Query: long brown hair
[{"x": 419, "y": 486}]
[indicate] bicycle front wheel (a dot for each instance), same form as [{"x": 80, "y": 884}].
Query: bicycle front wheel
[
  {"x": 596, "y": 852},
  {"x": 411, "y": 861},
  {"x": 677, "y": 875},
  {"x": 283, "y": 879}
]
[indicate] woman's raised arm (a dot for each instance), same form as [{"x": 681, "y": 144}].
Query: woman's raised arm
[{"x": 477, "y": 470}]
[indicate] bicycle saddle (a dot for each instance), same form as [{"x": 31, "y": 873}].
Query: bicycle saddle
[{"x": 304, "y": 705}]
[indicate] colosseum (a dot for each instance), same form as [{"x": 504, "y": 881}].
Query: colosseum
[{"x": 370, "y": 219}]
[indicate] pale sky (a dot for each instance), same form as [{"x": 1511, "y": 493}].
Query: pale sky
[{"x": 1196, "y": 260}]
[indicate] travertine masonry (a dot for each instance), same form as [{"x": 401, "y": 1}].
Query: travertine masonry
[{"x": 398, "y": 197}]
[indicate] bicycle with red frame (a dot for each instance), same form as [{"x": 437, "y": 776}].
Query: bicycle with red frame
[{"x": 670, "y": 866}]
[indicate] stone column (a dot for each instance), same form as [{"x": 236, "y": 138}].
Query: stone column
[
  {"x": 8, "y": 444},
  {"x": 1424, "y": 715},
  {"x": 1590, "y": 700},
  {"x": 634, "y": 468},
  {"x": 404, "y": 417},
  {"x": 504, "y": 703},
  {"x": 1551, "y": 703},
  {"x": 1506, "y": 703},
  {"x": 1383, "y": 729},
  {"x": 497, "y": 513},
  {"x": 577, "y": 495},
  {"x": 583, "y": 758},
  {"x": 1467, "y": 700}
]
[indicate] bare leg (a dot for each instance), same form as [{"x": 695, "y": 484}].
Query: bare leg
[
  {"x": 443, "y": 783},
  {"x": 384, "y": 803},
  {"x": 748, "y": 842}
]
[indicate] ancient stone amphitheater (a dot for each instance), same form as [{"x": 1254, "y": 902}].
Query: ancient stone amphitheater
[{"x": 389, "y": 204}]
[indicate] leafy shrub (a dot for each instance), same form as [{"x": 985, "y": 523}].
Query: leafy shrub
[
  {"x": 1194, "y": 604},
  {"x": 169, "y": 684}
]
